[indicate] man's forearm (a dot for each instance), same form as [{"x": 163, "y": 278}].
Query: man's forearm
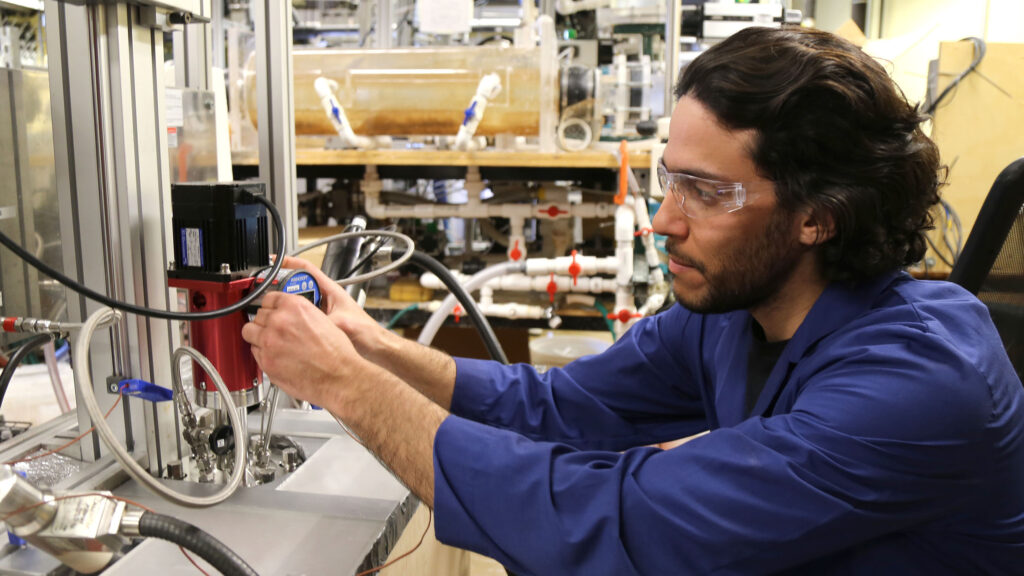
[
  {"x": 429, "y": 371},
  {"x": 396, "y": 423}
]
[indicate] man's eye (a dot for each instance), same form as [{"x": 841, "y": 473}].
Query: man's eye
[{"x": 706, "y": 193}]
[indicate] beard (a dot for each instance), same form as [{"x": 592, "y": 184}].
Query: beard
[{"x": 743, "y": 276}]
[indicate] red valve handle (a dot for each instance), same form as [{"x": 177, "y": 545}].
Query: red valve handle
[
  {"x": 457, "y": 311},
  {"x": 552, "y": 288},
  {"x": 574, "y": 268},
  {"x": 553, "y": 211},
  {"x": 644, "y": 232},
  {"x": 624, "y": 315},
  {"x": 515, "y": 254}
]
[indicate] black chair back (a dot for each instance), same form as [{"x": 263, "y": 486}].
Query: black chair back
[{"x": 992, "y": 262}]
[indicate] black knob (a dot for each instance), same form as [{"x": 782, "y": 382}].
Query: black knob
[
  {"x": 222, "y": 440},
  {"x": 647, "y": 128}
]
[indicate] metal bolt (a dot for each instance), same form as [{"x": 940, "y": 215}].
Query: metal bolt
[{"x": 225, "y": 268}]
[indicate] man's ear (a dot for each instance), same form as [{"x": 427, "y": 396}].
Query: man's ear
[{"x": 816, "y": 227}]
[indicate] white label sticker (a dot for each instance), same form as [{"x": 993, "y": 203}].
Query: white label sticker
[
  {"x": 192, "y": 247},
  {"x": 175, "y": 108}
]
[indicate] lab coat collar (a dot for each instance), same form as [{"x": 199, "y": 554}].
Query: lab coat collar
[{"x": 838, "y": 305}]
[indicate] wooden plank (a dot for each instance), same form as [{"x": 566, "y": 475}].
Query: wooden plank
[
  {"x": 978, "y": 126},
  {"x": 497, "y": 158}
]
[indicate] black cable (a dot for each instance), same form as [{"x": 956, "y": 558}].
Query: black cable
[
  {"x": 193, "y": 539},
  {"x": 482, "y": 325},
  {"x": 153, "y": 312},
  {"x": 16, "y": 358},
  {"x": 979, "y": 53},
  {"x": 370, "y": 254}
]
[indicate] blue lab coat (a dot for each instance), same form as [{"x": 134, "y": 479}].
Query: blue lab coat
[{"x": 888, "y": 439}]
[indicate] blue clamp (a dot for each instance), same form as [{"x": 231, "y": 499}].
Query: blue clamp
[
  {"x": 146, "y": 390},
  {"x": 470, "y": 112}
]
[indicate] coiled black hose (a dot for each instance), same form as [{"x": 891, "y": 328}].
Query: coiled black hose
[
  {"x": 16, "y": 358},
  {"x": 431, "y": 265},
  {"x": 191, "y": 538}
]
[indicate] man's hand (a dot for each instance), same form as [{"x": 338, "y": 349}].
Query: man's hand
[
  {"x": 363, "y": 331},
  {"x": 301, "y": 349}
]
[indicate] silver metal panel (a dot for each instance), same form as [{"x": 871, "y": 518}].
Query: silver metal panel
[
  {"x": 336, "y": 523},
  {"x": 273, "y": 21},
  {"x": 107, "y": 88}
]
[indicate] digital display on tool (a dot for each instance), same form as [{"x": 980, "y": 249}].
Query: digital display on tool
[{"x": 290, "y": 282}]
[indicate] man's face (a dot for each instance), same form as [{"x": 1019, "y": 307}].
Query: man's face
[{"x": 729, "y": 260}]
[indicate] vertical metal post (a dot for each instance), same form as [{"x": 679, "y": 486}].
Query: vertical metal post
[
  {"x": 273, "y": 21},
  {"x": 673, "y": 24},
  {"x": 110, "y": 145},
  {"x": 383, "y": 35}
]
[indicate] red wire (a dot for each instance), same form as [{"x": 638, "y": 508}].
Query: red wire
[
  {"x": 430, "y": 517},
  {"x": 110, "y": 496},
  {"x": 73, "y": 440}
]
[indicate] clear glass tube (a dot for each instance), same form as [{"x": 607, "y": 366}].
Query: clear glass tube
[{"x": 415, "y": 91}]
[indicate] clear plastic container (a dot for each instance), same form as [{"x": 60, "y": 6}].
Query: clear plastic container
[{"x": 415, "y": 91}]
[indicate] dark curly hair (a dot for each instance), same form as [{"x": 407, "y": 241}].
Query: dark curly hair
[{"x": 834, "y": 133}]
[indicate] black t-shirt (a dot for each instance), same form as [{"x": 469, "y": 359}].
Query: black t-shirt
[{"x": 760, "y": 360}]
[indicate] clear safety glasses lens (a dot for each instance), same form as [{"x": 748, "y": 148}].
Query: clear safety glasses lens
[{"x": 700, "y": 197}]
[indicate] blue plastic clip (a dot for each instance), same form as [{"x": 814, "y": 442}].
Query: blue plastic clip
[
  {"x": 469, "y": 113},
  {"x": 17, "y": 540},
  {"x": 146, "y": 390}
]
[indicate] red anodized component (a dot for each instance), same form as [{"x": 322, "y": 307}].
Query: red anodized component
[{"x": 220, "y": 339}]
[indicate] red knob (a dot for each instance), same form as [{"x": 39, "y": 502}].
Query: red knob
[
  {"x": 574, "y": 268},
  {"x": 457, "y": 311},
  {"x": 624, "y": 315},
  {"x": 552, "y": 288},
  {"x": 515, "y": 254},
  {"x": 553, "y": 211}
]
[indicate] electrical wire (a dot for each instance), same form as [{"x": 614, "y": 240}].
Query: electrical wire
[
  {"x": 979, "y": 54},
  {"x": 403, "y": 257},
  {"x": 16, "y": 358},
  {"x": 88, "y": 397},
  {"x": 153, "y": 312},
  {"x": 430, "y": 519}
]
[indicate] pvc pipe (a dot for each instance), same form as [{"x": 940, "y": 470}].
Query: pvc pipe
[
  {"x": 526, "y": 283},
  {"x": 624, "y": 226},
  {"x": 476, "y": 281},
  {"x": 552, "y": 211}
]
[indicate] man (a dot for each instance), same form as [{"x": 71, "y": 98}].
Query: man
[{"x": 861, "y": 422}]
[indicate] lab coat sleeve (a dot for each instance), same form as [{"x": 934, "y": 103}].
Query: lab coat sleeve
[
  {"x": 642, "y": 390},
  {"x": 882, "y": 437}
]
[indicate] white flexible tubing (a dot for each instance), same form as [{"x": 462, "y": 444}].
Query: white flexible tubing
[
  {"x": 475, "y": 282},
  {"x": 50, "y": 355},
  {"x": 81, "y": 363},
  {"x": 486, "y": 90},
  {"x": 336, "y": 114}
]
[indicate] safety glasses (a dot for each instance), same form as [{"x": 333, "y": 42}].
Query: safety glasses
[{"x": 700, "y": 197}]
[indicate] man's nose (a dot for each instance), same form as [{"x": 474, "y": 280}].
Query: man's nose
[{"x": 670, "y": 220}]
